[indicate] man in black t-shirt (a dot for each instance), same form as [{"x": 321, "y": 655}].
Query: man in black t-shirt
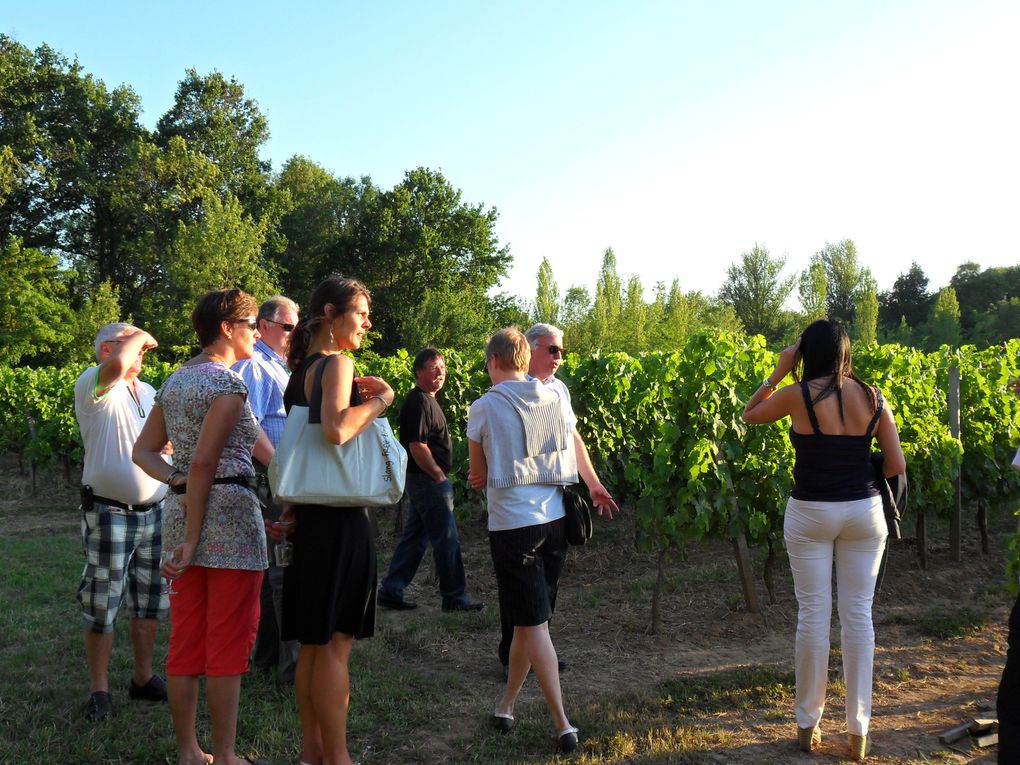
[{"x": 429, "y": 519}]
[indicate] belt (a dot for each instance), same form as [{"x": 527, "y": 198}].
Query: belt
[
  {"x": 125, "y": 506},
  {"x": 248, "y": 482}
]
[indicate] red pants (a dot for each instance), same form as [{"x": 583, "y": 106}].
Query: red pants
[{"x": 214, "y": 615}]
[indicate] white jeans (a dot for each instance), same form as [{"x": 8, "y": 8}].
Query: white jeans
[{"x": 855, "y": 531}]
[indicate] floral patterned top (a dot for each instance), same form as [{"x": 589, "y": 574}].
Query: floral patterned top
[{"x": 233, "y": 535}]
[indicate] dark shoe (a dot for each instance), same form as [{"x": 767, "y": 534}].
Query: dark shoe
[
  {"x": 153, "y": 690},
  {"x": 462, "y": 605},
  {"x": 394, "y": 604},
  {"x": 502, "y": 721},
  {"x": 100, "y": 706},
  {"x": 568, "y": 740}
]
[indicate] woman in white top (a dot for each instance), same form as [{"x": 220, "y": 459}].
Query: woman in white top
[{"x": 522, "y": 454}]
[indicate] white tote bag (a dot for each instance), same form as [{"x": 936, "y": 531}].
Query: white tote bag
[{"x": 367, "y": 471}]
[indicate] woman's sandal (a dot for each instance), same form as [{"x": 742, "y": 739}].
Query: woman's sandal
[
  {"x": 503, "y": 721},
  {"x": 567, "y": 740},
  {"x": 860, "y": 746}
]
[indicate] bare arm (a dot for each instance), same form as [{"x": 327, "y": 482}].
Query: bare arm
[
  {"x": 889, "y": 442},
  {"x": 599, "y": 494},
  {"x": 150, "y": 447},
  {"x": 117, "y": 364},
  {"x": 263, "y": 450},
  {"x": 478, "y": 466},
  {"x": 340, "y": 421},
  {"x": 768, "y": 404},
  {"x": 422, "y": 456}
]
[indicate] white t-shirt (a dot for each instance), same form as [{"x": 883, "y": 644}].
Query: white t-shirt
[
  {"x": 109, "y": 427},
  {"x": 516, "y": 506}
]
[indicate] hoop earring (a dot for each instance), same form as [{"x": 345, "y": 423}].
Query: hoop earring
[{"x": 332, "y": 342}]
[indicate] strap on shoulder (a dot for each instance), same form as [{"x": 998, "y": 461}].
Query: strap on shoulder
[
  {"x": 805, "y": 391},
  {"x": 315, "y": 400},
  {"x": 879, "y": 403}
]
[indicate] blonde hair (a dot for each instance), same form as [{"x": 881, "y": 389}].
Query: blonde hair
[{"x": 510, "y": 348}]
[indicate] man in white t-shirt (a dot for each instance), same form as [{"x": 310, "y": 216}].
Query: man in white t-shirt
[
  {"x": 121, "y": 515},
  {"x": 546, "y": 343}
]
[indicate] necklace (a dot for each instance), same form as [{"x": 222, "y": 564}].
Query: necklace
[
  {"x": 134, "y": 397},
  {"x": 213, "y": 358}
]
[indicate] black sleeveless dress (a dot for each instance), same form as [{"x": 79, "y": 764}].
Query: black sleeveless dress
[{"x": 330, "y": 587}]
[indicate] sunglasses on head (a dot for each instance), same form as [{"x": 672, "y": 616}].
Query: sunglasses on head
[
  {"x": 282, "y": 325},
  {"x": 253, "y": 324}
]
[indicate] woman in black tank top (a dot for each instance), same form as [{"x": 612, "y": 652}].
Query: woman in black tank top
[
  {"x": 329, "y": 589},
  {"x": 834, "y": 514}
]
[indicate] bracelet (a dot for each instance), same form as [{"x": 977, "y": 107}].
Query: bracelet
[
  {"x": 767, "y": 383},
  {"x": 173, "y": 473},
  {"x": 385, "y": 406}
]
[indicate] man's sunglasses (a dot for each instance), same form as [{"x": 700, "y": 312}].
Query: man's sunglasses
[
  {"x": 285, "y": 327},
  {"x": 554, "y": 349}
]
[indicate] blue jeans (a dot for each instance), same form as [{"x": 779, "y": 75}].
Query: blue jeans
[{"x": 429, "y": 520}]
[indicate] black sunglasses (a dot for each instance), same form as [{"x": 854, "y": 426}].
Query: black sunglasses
[
  {"x": 253, "y": 324},
  {"x": 285, "y": 327},
  {"x": 554, "y": 349}
]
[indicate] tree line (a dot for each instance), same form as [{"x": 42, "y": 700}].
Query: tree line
[{"x": 103, "y": 219}]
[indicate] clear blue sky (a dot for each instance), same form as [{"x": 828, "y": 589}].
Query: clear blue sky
[{"x": 678, "y": 133}]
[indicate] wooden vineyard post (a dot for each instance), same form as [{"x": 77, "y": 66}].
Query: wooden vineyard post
[
  {"x": 954, "y": 430},
  {"x": 746, "y": 573}
]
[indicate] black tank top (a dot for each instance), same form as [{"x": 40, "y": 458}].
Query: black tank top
[
  {"x": 833, "y": 468},
  {"x": 295, "y": 392}
]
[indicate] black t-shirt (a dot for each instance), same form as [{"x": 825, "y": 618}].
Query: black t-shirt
[{"x": 422, "y": 421}]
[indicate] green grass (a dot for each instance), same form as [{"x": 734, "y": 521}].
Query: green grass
[{"x": 942, "y": 624}]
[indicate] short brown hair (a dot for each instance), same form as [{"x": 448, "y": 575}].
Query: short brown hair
[
  {"x": 218, "y": 306},
  {"x": 510, "y": 348}
]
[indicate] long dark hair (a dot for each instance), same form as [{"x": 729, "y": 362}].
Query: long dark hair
[
  {"x": 338, "y": 290},
  {"x": 824, "y": 351}
]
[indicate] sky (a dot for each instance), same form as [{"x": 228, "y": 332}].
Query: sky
[{"x": 678, "y": 133}]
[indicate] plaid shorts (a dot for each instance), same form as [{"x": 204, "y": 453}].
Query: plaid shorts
[{"x": 122, "y": 549}]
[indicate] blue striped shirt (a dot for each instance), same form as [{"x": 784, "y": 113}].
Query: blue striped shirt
[{"x": 266, "y": 375}]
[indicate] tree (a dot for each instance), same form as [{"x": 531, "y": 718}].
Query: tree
[
  {"x": 547, "y": 295},
  {"x": 33, "y": 309},
  {"x": 865, "y": 327},
  {"x": 813, "y": 291},
  {"x": 216, "y": 119},
  {"x": 845, "y": 277},
  {"x": 943, "y": 328},
  {"x": 632, "y": 333},
  {"x": 420, "y": 236},
  {"x": 608, "y": 305},
  {"x": 909, "y": 298},
  {"x": 575, "y": 318},
  {"x": 979, "y": 290},
  {"x": 1001, "y": 322},
  {"x": 756, "y": 290}
]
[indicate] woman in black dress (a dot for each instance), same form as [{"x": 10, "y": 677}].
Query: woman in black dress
[{"x": 329, "y": 590}]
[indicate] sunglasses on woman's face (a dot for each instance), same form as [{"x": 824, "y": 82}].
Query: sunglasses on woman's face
[{"x": 253, "y": 324}]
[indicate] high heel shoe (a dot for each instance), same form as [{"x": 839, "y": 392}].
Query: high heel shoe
[
  {"x": 567, "y": 740},
  {"x": 809, "y": 738},
  {"x": 860, "y": 746},
  {"x": 502, "y": 721}
]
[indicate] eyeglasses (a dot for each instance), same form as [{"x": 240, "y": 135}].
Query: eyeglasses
[
  {"x": 554, "y": 349},
  {"x": 282, "y": 325},
  {"x": 253, "y": 324}
]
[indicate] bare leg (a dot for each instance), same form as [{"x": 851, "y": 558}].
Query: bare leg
[
  {"x": 542, "y": 655},
  {"x": 143, "y": 638},
  {"x": 223, "y": 693},
  {"x": 520, "y": 665},
  {"x": 182, "y": 691},
  {"x": 98, "y": 647},
  {"x": 330, "y": 696},
  {"x": 311, "y": 738}
]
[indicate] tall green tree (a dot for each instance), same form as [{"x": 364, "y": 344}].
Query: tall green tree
[
  {"x": 634, "y": 318},
  {"x": 845, "y": 278},
  {"x": 865, "y": 327},
  {"x": 608, "y": 305},
  {"x": 547, "y": 295},
  {"x": 909, "y": 298},
  {"x": 813, "y": 291},
  {"x": 943, "y": 328},
  {"x": 978, "y": 290},
  {"x": 756, "y": 290},
  {"x": 575, "y": 318},
  {"x": 33, "y": 306},
  {"x": 999, "y": 323}
]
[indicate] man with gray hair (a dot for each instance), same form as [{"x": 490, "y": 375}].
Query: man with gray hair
[
  {"x": 121, "y": 515},
  {"x": 546, "y": 342},
  {"x": 266, "y": 376}
]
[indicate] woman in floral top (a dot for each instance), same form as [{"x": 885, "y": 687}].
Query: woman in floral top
[{"x": 212, "y": 522}]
